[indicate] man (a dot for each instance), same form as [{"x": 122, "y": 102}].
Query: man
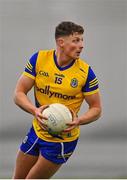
[{"x": 58, "y": 76}]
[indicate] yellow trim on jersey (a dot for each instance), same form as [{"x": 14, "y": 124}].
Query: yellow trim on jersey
[
  {"x": 92, "y": 92},
  {"x": 93, "y": 80},
  {"x": 28, "y": 68},
  {"x": 30, "y": 65},
  {"x": 29, "y": 75},
  {"x": 93, "y": 85}
]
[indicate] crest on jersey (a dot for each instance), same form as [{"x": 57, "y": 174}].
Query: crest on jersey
[{"x": 74, "y": 82}]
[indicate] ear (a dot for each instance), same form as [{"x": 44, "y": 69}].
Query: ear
[{"x": 60, "y": 42}]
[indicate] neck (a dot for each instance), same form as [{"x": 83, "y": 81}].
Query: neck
[{"x": 62, "y": 59}]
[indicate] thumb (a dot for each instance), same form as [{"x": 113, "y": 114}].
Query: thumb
[{"x": 70, "y": 123}]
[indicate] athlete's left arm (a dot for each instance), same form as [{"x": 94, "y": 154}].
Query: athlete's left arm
[
  {"x": 93, "y": 113},
  {"x": 92, "y": 97},
  {"x": 94, "y": 110}
]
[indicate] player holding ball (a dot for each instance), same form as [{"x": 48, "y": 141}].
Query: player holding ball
[{"x": 58, "y": 76}]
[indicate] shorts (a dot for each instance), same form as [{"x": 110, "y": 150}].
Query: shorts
[{"x": 53, "y": 151}]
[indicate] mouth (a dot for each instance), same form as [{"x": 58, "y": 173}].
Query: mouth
[{"x": 78, "y": 53}]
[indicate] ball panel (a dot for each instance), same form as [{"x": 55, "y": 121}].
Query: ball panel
[{"x": 58, "y": 115}]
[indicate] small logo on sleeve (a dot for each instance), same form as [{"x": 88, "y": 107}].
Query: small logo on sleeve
[{"x": 25, "y": 139}]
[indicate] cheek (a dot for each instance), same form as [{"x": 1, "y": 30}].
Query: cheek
[{"x": 71, "y": 48}]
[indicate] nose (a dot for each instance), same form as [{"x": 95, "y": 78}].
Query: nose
[{"x": 81, "y": 45}]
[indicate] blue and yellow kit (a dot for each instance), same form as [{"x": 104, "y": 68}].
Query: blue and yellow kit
[{"x": 54, "y": 84}]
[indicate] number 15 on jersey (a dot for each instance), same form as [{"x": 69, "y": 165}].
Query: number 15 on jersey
[{"x": 58, "y": 80}]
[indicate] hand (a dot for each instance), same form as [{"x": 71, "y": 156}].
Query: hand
[
  {"x": 75, "y": 122},
  {"x": 41, "y": 119}
]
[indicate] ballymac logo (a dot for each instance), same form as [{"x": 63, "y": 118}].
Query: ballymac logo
[{"x": 51, "y": 94}]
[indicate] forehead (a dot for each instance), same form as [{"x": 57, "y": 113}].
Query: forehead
[{"x": 74, "y": 35}]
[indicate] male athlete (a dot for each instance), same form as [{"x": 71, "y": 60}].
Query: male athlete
[{"x": 58, "y": 76}]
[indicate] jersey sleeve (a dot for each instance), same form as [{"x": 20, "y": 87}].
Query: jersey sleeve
[
  {"x": 91, "y": 86},
  {"x": 30, "y": 68}
]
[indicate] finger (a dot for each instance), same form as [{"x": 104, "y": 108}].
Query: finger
[
  {"x": 72, "y": 113},
  {"x": 44, "y": 117},
  {"x": 74, "y": 122},
  {"x": 70, "y": 123},
  {"x": 43, "y": 107},
  {"x": 44, "y": 122},
  {"x": 43, "y": 126},
  {"x": 39, "y": 118},
  {"x": 69, "y": 129},
  {"x": 40, "y": 115}
]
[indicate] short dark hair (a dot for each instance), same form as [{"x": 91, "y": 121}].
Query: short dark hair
[{"x": 67, "y": 28}]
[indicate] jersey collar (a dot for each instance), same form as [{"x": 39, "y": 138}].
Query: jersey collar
[{"x": 59, "y": 67}]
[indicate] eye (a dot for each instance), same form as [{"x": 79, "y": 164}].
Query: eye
[{"x": 76, "y": 40}]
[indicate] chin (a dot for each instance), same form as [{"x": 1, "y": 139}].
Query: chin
[{"x": 76, "y": 57}]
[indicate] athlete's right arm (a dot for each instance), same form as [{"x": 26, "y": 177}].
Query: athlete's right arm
[{"x": 21, "y": 99}]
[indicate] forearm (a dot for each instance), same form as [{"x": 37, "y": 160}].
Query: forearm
[
  {"x": 22, "y": 100},
  {"x": 91, "y": 115}
]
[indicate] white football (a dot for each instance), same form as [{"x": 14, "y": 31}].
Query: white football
[{"x": 58, "y": 115}]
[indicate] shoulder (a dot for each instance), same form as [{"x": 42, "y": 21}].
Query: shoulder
[
  {"x": 40, "y": 54},
  {"x": 82, "y": 65},
  {"x": 82, "y": 62},
  {"x": 45, "y": 52}
]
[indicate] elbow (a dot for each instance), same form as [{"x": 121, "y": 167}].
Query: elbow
[
  {"x": 99, "y": 112},
  {"x": 15, "y": 97}
]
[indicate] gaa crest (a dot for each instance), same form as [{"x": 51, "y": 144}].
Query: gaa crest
[{"x": 74, "y": 82}]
